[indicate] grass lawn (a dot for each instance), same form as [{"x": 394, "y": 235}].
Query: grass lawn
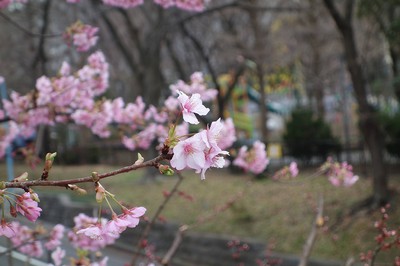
[{"x": 267, "y": 211}]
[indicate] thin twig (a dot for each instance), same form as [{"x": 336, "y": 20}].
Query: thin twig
[
  {"x": 184, "y": 228},
  {"x": 148, "y": 227},
  {"x": 26, "y": 31},
  {"x": 378, "y": 249},
  {"x": 313, "y": 234},
  {"x": 175, "y": 245}
]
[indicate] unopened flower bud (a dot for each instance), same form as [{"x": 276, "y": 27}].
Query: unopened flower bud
[
  {"x": 172, "y": 139},
  {"x": 166, "y": 170},
  {"x": 139, "y": 160},
  {"x": 77, "y": 189},
  {"x": 2, "y": 185},
  {"x": 49, "y": 160},
  {"x": 21, "y": 178},
  {"x": 13, "y": 211},
  {"x": 95, "y": 177},
  {"x": 51, "y": 156},
  {"x": 100, "y": 193},
  {"x": 34, "y": 196}
]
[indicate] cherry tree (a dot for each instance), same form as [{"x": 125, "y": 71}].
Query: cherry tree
[{"x": 77, "y": 96}]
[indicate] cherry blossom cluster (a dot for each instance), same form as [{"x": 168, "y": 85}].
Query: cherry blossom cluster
[
  {"x": 93, "y": 234},
  {"x": 81, "y": 36},
  {"x": 385, "y": 240},
  {"x": 237, "y": 248},
  {"x": 339, "y": 174},
  {"x": 200, "y": 151},
  {"x": 142, "y": 125},
  {"x": 287, "y": 172},
  {"x": 57, "y": 99},
  {"x": 71, "y": 97},
  {"x": 34, "y": 242},
  {"x": 28, "y": 242},
  {"x": 254, "y": 160},
  {"x": 197, "y": 85},
  {"x": 25, "y": 204},
  {"x": 7, "y": 135},
  {"x": 189, "y": 5}
]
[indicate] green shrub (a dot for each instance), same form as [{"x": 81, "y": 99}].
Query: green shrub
[{"x": 307, "y": 136}]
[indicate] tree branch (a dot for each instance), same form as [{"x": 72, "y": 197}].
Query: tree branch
[
  {"x": 66, "y": 182},
  {"x": 313, "y": 233},
  {"x": 349, "y": 10},
  {"x": 184, "y": 228},
  {"x": 197, "y": 44},
  {"x": 26, "y": 31},
  {"x": 41, "y": 53},
  {"x": 340, "y": 21},
  {"x": 148, "y": 227},
  {"x": 128, "y": 57},
  {"x": 239, "y": 4}
]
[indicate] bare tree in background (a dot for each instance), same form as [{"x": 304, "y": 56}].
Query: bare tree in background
[{"x": 368, "y": 120}]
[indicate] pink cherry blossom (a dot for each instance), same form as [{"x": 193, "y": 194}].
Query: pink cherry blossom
[
  {"x": 190, "y": 5},
  {"x": 103, "y": 262},
  {"x": 200, "y": 152},
  {"x": 57, "y": 255},
  {"x": 228, "y": 134},
  {"x": 286, "y": 172},
  {"x": 339, "y": 174},
  {"x": 93, "y": 231},
  {"x": 28, "y": 207},
  {"x": 7, "y": 229},
  {"x": 254, "y": 160},
  {"x": 92, "y": 239},
  {"x": 6, "y": 140},
  {"x": 82, "y": 36},
  {"x": 189, "y": 153},
  {"x": 197, "y": 85},
  {"x": 214, "y": 158},
  {"x": 4, "y": 3},
  {"x": 116, "y": 226},
  {"x": 294, "y": 171},
  {"x": 132, "y": 216},
  {"x": 65, "y": 69},
  {"x": 190, "y": 106},
  {"x": 56, "y": 234},
  {"x": 123, "y": 3},
  {"x": 32, "y": 249},
  {"x": 129, "y": 143}
]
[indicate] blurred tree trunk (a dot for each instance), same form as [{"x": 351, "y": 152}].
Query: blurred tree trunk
[
  {"x": 145, "y": 60},
  {"x": 386, "y": 15},
  {"x": 315, "y": 43},
  {"x": 260, "y": 36},
  {"x": 368, "y": 124},
  {"x": 39, "y": 66},
  {"x": 263, "y": 107}
]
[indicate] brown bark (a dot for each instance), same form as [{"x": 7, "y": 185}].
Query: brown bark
[{"x": 368, "y": 124}]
